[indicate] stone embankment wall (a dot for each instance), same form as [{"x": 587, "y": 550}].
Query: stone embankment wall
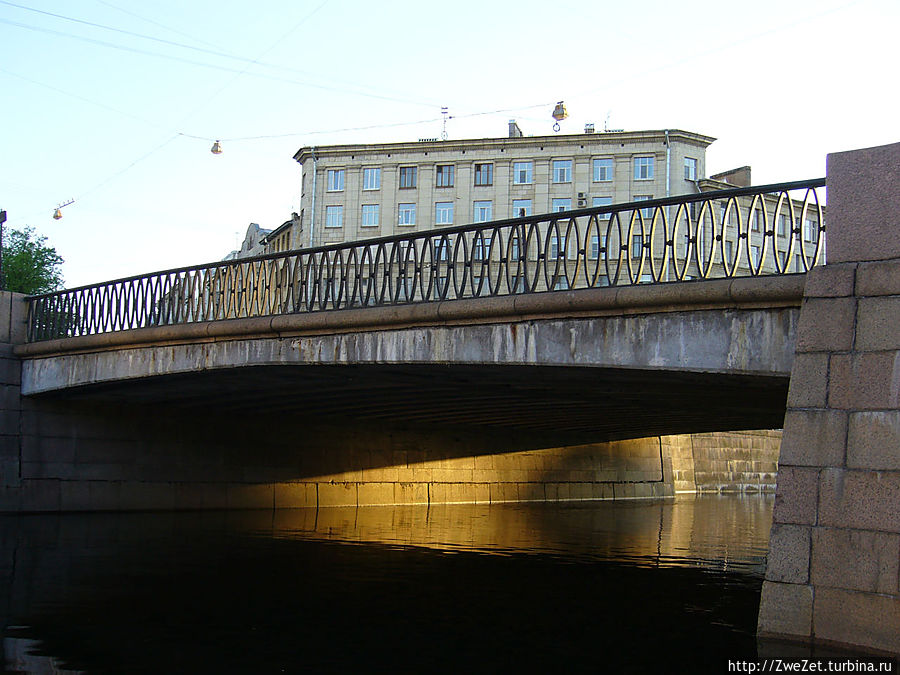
[
  {"x": 734, "y": 461},
  {"x": 833, "y": 570}
]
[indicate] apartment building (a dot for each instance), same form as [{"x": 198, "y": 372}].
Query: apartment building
[{"x": 352, "y": 192}]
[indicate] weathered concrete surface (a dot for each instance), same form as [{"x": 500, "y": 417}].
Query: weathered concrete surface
[{"x": 835, "y": 550}]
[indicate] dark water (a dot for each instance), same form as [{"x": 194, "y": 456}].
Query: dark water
[{"x": 662, "y": 586}]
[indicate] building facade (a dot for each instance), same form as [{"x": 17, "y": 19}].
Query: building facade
[{"x": 352, "y": 192}]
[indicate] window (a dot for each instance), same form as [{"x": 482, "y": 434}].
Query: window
[
  {"x": 754, "y": 255},
  {"x": 690, "y": 168},
  {"x": 557, "y": 246},
  {"x": 603, "y": 170},
  {"x": 756, "y": 226},
  {"x": 484, "y": 174},
  {"x": 602, "y": 201},
  {"x": 594, "y": 252},
  {"x": 809, "y": 230},
  {"x": 372, "y": 178},
  {"x": 648, "y": 212},
  {"x": 782, "y": 225},
  {"x": 483, "y": 211},
  {"x": 406, "y": 214},
  {"x": 562, "y": 204},
  {"x": 334, "y": 216},
  {"x": 562, "y": 170},
  {"x": 443, "y": 213},
  {"x": 637, "y": 245},
  {"x": 444, "y": 175},
  {"x": 729, "y": 251},
  {"x": 522, "y": 173},
  {"x": 643, "y": 168},
  {"x": 441, "y": 249},
  {"x": 408, "y": 176},
  {"x": 335, "y": 180},
  {"x": 521, "y": 208},
  {"x": 370, "y": 215},
  {"x": 479, "y": 248}
]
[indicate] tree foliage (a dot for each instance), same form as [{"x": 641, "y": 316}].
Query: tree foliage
[{"x": 30, "y": 265}]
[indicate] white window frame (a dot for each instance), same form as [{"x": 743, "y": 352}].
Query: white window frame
[
  {"x": 370, "y": 215},
  {"x": 334, "y": 180},
  {"x": 372, "y": 178},
  {"x": 604, "y": 169},
  {"x": 647, "y": 213},
  {"x": 334, "y": 216},
  {"x": 406, "y": 209},
  {"x": 562, "y": 171},
  {"x": 518, "y": 204},
  {"x": 482, "y": 211},
  {"x": 524, "y": 170},
  {"x": 557, "y": 202},
  {"x": 690, "y": 168},
  {"x": 643, "y": 167},
  {"x": 602, "y": 201},
  {"x": 441, "y": 212}
]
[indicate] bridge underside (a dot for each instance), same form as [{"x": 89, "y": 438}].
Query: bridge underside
[{"x": 546, "y": 404}]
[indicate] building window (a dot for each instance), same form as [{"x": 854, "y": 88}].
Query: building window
[
  {"x": 370, "y": 215},
  {"x": 406, "y": 214},
  {"x": 603, "y": 170},
  {"x": 335, "y": 180},
  {"x": 408, "y": 176},
  {"x": 557, "y": 246},
  {"x": 521, "y": 208},
  {"x": 484, "y": 174},
  {"x": 690, "y": 168},
  {"x": 444, "y": 175},
  {"x": 441, "y": 251},
  {"x": 523, "y": 173},
  {"x": 809, "y": 230},
  {"x": 594, "y": 253},
  {"x": 643, "y": 168},
  {"x": 729, "y": 251},
  {"x": 334, "y": 216},
  {"x": 782, "y": 225},
  {"x": 479, "y": 247},
  {"x": 562, "y": 170},
  {"x": 443, "y": 213},
  {"x": 372, "y": 178},
  {"x": 637, "y": 245},
  {"x": 602, "y": 201},
  {"x": 483, "y": 211},
  {"x": 648, "y": 212},
  {"x": 562, "y": 204},
  {"x": 754, "y": 256},
  {"x": 756, "y": 226}
]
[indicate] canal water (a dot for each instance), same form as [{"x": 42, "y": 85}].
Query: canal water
[{"x": 636, "y": 586}]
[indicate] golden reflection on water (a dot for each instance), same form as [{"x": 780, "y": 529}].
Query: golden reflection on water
[{"x": 715, "y": 531}]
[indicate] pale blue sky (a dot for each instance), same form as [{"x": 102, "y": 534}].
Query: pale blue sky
[{"x": 115, "y": 103}]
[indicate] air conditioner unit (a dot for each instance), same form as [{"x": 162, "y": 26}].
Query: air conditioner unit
[{"x": 581, "y": 195}]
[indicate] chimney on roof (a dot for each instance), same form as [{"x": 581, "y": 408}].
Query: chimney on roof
[
  {"x": 739, "y": 177},
  {"x": 514, "y": 130}
]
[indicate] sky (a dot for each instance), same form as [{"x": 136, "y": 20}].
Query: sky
[{"x": 115, "y": 104}]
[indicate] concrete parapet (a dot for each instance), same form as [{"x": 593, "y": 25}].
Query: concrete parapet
[{"x": 834, "y": 553}]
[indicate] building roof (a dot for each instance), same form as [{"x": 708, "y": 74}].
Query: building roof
[{"x": 487, "y": 143}]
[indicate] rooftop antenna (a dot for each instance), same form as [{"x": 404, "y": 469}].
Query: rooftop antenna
[
  {"x": 606, "y": 121},
  {"x": 444, "y": 112}
]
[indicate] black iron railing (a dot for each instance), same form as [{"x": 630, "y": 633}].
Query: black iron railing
[{"x": 770, "y": 229}]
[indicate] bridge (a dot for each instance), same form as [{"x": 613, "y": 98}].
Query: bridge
[{"x": 551, "y": 357}]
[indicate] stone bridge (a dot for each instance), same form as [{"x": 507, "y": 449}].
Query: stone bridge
[{"x": 535, "y": 396}]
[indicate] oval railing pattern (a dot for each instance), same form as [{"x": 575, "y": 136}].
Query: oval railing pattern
[{"x": 770, "y": 229}]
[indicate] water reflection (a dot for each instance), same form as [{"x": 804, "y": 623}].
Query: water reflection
[{"x": 574, "y": 587}]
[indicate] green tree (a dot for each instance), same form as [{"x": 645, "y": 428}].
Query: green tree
[{"x": 30, "y": 265}]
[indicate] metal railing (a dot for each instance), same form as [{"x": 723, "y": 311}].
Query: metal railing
[{"x": 770, "y": 229}]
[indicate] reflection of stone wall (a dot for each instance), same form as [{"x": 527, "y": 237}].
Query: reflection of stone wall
[{"x": 736, "y": 461}]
